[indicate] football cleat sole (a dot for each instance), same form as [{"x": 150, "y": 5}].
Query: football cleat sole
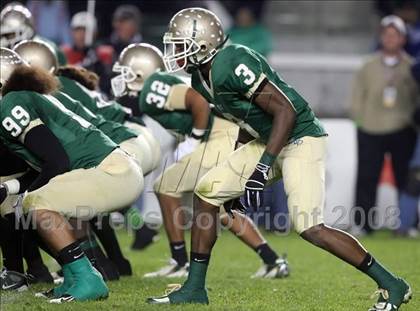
[
  {"x": 158, "y": 300},
  {"x": 385, "y": 306},
  {"x": 69, "y": 298},
  {"x": 48, "y": 294}
]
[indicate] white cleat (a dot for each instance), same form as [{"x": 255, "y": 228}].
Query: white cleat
[
  {"x": 62, "y": 299},
  {"x": 164, "y": 300},
  {"x": 279, "y": 270},
  {"x": 173, "y": 270}
]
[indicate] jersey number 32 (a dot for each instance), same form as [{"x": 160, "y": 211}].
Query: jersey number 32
[{"x": 158, "y": 94}]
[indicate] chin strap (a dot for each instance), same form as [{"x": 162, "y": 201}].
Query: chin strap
[{"x": 208, "y": 57}]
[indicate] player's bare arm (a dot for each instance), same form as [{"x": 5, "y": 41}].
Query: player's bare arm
[
  {"x": 271, "y": 100},
  {"x": 199, "y": 108}
]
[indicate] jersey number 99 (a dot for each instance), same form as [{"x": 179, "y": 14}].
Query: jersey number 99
[{"x": 20, "y": 120}]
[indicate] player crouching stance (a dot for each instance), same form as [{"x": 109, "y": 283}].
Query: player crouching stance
[
  {"x": 289, "y": 142},
  {"x": 208, "y": 141},
  {"x": 73, "y": 80},
  {"x": 80, "y": 168}
]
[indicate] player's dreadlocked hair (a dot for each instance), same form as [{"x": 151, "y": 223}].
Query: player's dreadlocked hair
[
  {"x": 85, "y": 77},
  {"x": 35, "y": 79}
]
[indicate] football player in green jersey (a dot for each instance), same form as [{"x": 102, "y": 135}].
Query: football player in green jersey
[
  {"x": 17, "y": 243},
  {"x": 289, "y": 142},
  {"x": 16, "y": 25},
  {"x": 39, "y": 54},
  {"x": 208, "y": 141},
  {"x": 73, "y": 97},
  {"x": 82, "y": 172}
]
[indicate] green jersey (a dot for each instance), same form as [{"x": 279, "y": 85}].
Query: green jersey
[
  {"x": 236, "y": 73},
  {"x": 94, "y": 101},
  {"x": 153, "y": 99},
  {"x": 116, "y": 131},
  {"x": 21, "y": 111}
]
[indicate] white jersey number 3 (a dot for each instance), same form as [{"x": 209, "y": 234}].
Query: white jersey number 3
[{"x": 243, "y": 70}]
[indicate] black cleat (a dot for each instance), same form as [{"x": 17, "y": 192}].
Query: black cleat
[
  {"x": 123, "y": 266},
  {"x": 39, "y": 275},
  {"x": 144, "y": 237},
  {"x": 107, "y": 268},
  {"x": 11, "y": 280}
]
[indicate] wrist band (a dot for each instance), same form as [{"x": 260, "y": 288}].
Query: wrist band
[
  {"x": 197, "y": 133},
  {"x": 13, "y": 186},
  {"x": 267, "y": 158}
]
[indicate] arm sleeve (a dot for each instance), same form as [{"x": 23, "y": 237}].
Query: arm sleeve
[
  {"x": 11, "y": 164},
  {"x": 45, "y": 145},
  {"x": 27, "y": 179}
]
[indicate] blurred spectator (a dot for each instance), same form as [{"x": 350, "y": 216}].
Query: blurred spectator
[
  {"x": 95, "y": 57},
  {"x": 410, "y": 198},
  {"x": 390, "y": 7},
  {"x": 16, "y": 25},
  {"x": 383, "y": 102},
  {"x": 249, "y": 32},
  {"x": 51, "y": 19},
  {"x": 126, "y": 24},
  {"x": 410, "y": 14}
]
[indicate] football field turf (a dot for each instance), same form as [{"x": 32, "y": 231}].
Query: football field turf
[{"x": 318, "y": 281}]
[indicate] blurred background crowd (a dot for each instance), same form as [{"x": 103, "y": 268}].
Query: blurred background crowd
[{"x": 357, "y": 63}]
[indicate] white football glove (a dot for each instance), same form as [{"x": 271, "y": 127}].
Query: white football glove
[{"x": 186, "y": 147}]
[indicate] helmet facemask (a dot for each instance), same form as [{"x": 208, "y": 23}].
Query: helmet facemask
[
  {"x": 16, "y": 25},
  {"x": 179, "y": 52},
  {"x": 10, "y": 38},
  {"x": 124, "y": 81},
  {"x": 135, "y": 64}
]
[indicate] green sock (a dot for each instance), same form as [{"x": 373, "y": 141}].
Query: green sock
[
  {"x": 381, "y": 275},
  {"x": 196, "y": 275}
]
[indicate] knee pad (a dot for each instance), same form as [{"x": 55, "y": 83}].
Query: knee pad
[{"x": 154, "y": 145}]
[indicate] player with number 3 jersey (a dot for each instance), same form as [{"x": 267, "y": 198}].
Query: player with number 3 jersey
[
  {"x": 289, "y": 142},
  {"x": 207, "y": 141}
]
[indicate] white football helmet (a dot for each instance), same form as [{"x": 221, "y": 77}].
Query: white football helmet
[
  {"x": 194, "y": 36},
  {"x": 136, "y": 63},
  {"x": 15, "y": 25},
  {"x": 37, "y": 53},
  {"x": 9, "y": 60}
]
